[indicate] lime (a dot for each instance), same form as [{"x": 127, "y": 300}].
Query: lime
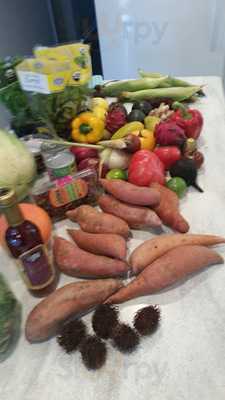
[
  {"x": 117, "y": 173},
  {"x": 177, "y": 185}
]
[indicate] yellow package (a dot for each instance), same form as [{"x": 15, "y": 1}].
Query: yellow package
[
  {"x": 79, "y": 56},
  {"x": 43, "y": 75}
]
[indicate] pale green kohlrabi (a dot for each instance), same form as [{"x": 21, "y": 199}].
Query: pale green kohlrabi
[{"x": 17, "y": 164}]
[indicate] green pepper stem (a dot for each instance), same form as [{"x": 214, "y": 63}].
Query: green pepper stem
[
  {"x": 85, "y": 128},
  {"x": 184, "y": 110}
]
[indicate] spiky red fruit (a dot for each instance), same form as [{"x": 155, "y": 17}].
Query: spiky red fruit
[
  {"x": 116, "y": 117},
  {"x": 71, "y": 335},
  {"x": 146, "y": 320},
  {"x": 93, "y": 352},
  {"x": 125, "y": 338}
]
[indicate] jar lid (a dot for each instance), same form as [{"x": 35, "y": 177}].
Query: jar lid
[
  {"x": 32, "y": 143},
  {"x": 61, "y": 160},
  {"x": 7, "y": 197}
]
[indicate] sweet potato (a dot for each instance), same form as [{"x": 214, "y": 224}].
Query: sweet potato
[
  {"x": 93, "y": 221},
  {"x": 152, "y": 249},
  {"x": 131, "y": 194},
  {"x": 136, "y": 216},
  {"x": 73, "y": 261},
  {"x": 166, "y": 270},
  {"x": 102, "y": 244},
  {"x": 168, "y": 209},
  {"x": 46, "y": 318}
]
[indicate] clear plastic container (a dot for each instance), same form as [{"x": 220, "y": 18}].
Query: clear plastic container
[{"x": 67, "y": 193}]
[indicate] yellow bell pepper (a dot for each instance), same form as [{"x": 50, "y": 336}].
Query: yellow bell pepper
[
  {"x": 150, "y": 122},
  {"x": 99, "y": 112},
  {"x": 87, "y": 128},
  {"x": 147, "y": 139}
]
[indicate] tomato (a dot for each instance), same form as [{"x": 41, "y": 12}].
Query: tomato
[
  {"x": 168, "y": 155},
  {"x": 82, "y": 153},
  {"x": 145, "y": 167}
]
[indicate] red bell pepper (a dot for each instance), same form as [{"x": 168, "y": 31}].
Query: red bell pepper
[
  {"x": 168, "y": 155},
  {"x": 146, "y": 167},
  {"x": 190, "y": 120}
]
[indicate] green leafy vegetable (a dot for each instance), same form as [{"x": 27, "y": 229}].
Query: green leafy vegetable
[
  {"x": 10, "y": 317},
  {"x": 56, "y": 110}
]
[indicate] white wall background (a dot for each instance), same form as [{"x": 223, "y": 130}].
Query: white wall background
[{"x": 181, "y": 37}]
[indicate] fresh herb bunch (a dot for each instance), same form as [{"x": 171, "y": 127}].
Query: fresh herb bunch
[
  {"x": 56, "y": 110},
  {"x": 7, "y": 70},
  {"x": 10, "y": 316},
  {"x": 11, "y": 94}
]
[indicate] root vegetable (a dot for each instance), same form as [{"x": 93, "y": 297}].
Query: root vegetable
[
  {"x": 48, "y": 316},
  {"x": 93, "y": 221},
  {"x": 168, "y": 209},
  {"x": 152, "y": 249},
  {"x": 132, "y": 194},
  {"x": 166, "y": 270},
  {"x": 73, "y": 261},
  {"x": 102, "y": 244},
  {"x": 136, "y": 216}
]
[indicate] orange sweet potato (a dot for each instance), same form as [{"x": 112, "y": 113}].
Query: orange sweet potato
[
  {"x": 168, "y": 209},
  {"x": 151, "y": 249},
  {"x": 93, "y": 221},
  {"x": 73, "y": 261},
  {"x": 166, "y": 270},
  {"x": 136, "y": 216},
  {"x": 46, "y": 318},
  {"x": 106, "y": 244},
  {"x": 131, "y": 194}
]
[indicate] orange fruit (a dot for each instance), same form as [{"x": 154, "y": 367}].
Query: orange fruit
[{"x": 34, "y": 214}]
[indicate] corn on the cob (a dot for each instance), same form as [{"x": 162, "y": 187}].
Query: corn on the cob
[
  {"x": 169, "y": 81},
  {"x": 153, "y": 75},
  {"x": 114, "y": 89},
  {"x": 174, "y": 93}
]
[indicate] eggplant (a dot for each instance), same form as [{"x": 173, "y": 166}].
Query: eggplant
[{"x": 186, "y": 169}]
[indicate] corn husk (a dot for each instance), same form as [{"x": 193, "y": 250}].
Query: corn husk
[{"x": 172, "y": 93}]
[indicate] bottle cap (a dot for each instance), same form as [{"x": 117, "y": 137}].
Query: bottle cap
[{"x": 7, "y": 197}]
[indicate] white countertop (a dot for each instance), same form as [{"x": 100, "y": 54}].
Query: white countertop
[{"x": 185, "y": 358}]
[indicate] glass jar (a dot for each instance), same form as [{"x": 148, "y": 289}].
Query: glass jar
[{"x": 33, "y": 143}]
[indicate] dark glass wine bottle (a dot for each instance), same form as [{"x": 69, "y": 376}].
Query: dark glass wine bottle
[{"x": 25, "y": 244}]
